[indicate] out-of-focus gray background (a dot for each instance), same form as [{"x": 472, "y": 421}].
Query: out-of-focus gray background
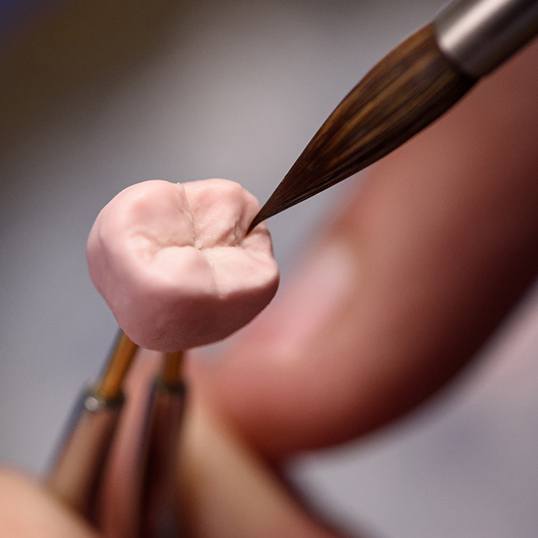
[{"x": 98, "y": 95}]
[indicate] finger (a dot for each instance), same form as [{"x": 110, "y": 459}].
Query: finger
[
  {"x": 225, "y": 491},
  {"x": 433, "y": 250},
  {"x": 27, "y": 510}
]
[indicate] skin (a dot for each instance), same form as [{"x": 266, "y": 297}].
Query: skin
[{"x": 429, "y": 256}]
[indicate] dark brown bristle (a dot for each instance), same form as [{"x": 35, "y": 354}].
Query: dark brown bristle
[{"x": 407, "y": 90}]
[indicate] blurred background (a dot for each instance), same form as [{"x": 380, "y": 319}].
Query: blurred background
[{"x": 97, "y": 95}]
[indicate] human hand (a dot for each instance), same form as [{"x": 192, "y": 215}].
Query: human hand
[
  {"x": 431, "y": 252},
  {"x": 401, "y": 289}
]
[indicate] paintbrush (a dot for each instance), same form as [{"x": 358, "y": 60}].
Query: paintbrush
[
  {"x": 159, "y": 517},
  {"x": 408, "y": 89},
  {"x": 76, "y": 474}
]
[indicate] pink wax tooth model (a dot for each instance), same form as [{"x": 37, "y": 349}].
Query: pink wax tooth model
[{"x": 174, "y": 265}]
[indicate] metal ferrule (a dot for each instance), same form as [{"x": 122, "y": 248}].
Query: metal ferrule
[
  {"x": 478, "y": 35},
  {"x": 79, "y": 462}
]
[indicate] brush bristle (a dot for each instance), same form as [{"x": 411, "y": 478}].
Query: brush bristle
[{"x": 407, "y": 90}]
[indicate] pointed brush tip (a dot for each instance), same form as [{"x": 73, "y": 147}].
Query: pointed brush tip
[
  {"x": 254, "y": 223},
  {"x": 263, "y": 214}
]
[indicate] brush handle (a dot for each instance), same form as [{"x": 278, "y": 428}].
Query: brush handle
[
  {"x": 478, "y": 35},
  {"x": 76, "y": 473},
  {"x": 158, "y": 509}
]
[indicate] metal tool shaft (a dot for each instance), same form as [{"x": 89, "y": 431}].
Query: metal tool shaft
[{"x": 478, "y": 35}]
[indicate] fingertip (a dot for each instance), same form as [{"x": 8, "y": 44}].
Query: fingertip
[{"x": 27, "y": 510}]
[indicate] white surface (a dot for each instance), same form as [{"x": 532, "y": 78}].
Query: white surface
[{"x": 228, "y": 89}]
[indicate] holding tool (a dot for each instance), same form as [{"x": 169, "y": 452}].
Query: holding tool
[
  {"x": 76, "y": 474},
  {"x": 167, "y": 407}
]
